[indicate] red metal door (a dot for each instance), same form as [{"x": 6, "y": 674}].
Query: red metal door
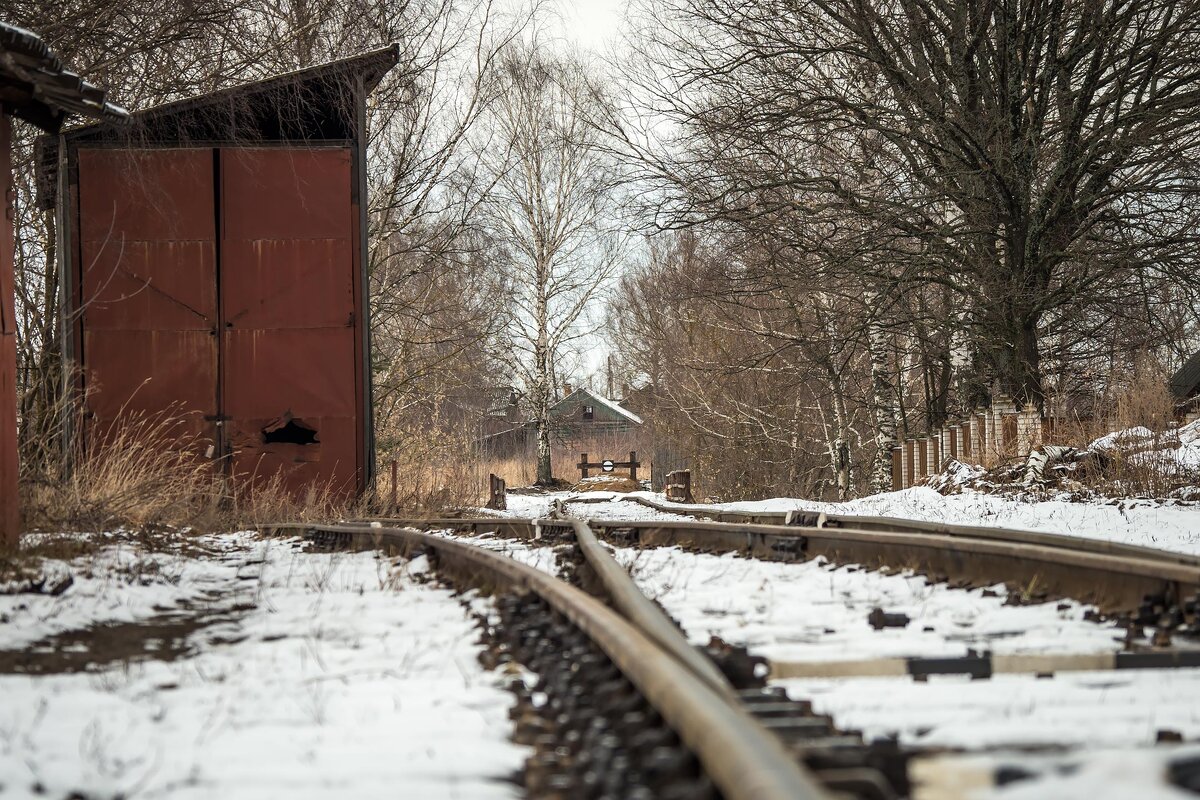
[
  {"x": 287, "y": 302},
  {"x": 148, "y": 288}
]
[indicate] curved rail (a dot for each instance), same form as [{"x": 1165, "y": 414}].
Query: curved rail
[
  {"x": 809, "y": 519},
  {"x": 1117, "y": 578},
  {"x": 743, "y": 760},
  {"x": 648, "y": 617}
]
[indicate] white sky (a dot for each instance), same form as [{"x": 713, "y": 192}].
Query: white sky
[{"x": 590, "y": 23}]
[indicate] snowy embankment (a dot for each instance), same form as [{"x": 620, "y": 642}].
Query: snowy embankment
[{"x": 292, "y": 674}]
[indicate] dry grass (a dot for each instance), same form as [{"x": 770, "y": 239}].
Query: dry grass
[
  {"x": 521, "y": 470},
  {"x": 431, "y": 484},
  {"x": 1136, "y": 465},
  {"x": 147, "y": 472}
]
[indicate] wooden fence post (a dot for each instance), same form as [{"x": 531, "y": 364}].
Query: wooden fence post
[
  {"x": 678, "y": 488},
  {"x": 395, "y": 480},
  {"x": 897, "y": 468},
  {"x": 583, "y": 464},
  {"x": 633, "y": 465},
  {"x": 497, "y": 493}
]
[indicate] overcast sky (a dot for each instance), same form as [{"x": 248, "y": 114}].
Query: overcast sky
[{"x": 590, "y": 23}]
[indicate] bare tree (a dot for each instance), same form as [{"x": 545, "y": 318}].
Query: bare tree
[
  {"x": 423, "y": 260},
  {"x": 1031, "y": 158},
  {"x": 550, "y": 215}
]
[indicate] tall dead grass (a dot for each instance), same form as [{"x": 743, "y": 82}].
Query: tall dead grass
[
  {"x": 147, "y": 470},
  {"x": 1142, "y": 461},
  {"x": 521, "y": 469}
]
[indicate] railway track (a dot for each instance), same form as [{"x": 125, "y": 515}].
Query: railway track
[
  {"x": 624, "y": 707},
  {"x": 1140, "y": 586}
]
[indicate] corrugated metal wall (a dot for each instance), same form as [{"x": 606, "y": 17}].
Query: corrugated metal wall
[{"x": 219, "y": 283}]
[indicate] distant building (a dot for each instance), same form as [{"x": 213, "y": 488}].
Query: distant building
[
  {"x": 581, "y": 418},
  {"x": 1185, "y": 388},
  {"x": 584, "y": 413}
]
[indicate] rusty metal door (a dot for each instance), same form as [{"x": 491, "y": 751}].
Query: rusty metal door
[
  {"x": 147, "y": 289},
  {"x": 289, "y": 353}
]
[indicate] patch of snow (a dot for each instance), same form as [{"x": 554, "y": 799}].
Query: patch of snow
[
  {"x": 530, "y": 506},
  {"x": 618, "y": 509},
  {"x": 811, "y": 611},
  {"x": 1138, "y": 436},
  {"x": 1072, "y": 709},
  {"x": 121, "y": 582},
  {"x": 533, "y": 554},
  {"x": 351, "y": 678}
]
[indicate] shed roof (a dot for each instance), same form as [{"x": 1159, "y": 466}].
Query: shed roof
[
  {"x": 39, "y": 89},
  {"x": 1186, "y": 381},
  {"x": 310, "y": 104},
  {"x": 611, "y": 404}
]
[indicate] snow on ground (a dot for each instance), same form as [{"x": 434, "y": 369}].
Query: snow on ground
[
  {"x": 1100, "y": 727},
  {"x": 533, "y": 554},
  {"x": 810, "y": 611},
  {"x": 1073, "y": 709},
  {"x": 343, "y": 675},
  {"x": 616, "y": 508},
  {"x": 530, "y": 506},
  {"x": 122, "y": 582}
]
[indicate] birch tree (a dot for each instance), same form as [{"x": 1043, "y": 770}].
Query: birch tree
[{"x": 550, "y": 214}]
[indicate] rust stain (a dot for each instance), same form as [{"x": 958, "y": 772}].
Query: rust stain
[{"x": 287, "y": 286}]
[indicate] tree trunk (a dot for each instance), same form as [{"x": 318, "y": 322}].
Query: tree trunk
[
  {"x": 545, "y": 472},
  {"x": 1016, "y": 360},
  {"x": 543, "y": 376},
  {"x": 883, "y": 409}
]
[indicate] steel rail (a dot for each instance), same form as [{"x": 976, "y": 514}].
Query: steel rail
[
  {"x": 1057, "y": 553},
  {"x": 1112, "y": 582},
  {"x": 743, "y": 759},
  {"x": 648, "y": 617},
  {"x": 797, "y": 519},
  {"x": 1116, "y": 578}
]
